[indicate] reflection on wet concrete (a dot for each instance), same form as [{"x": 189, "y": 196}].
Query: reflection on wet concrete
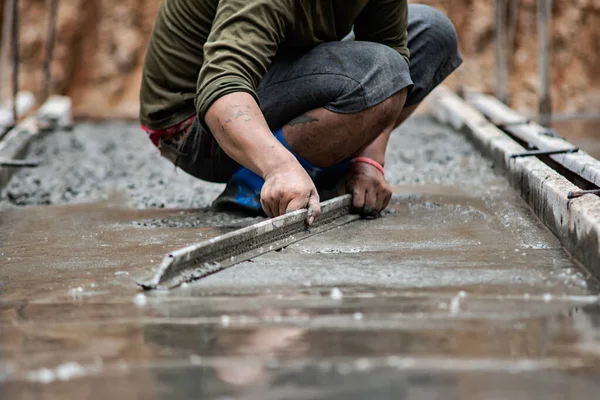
[
  {"x": 452, "y": 295},
  {"x": 87, "y": 249}
]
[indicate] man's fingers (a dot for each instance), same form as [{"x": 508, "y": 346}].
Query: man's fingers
[
  {"x": 358, "y": 199},
  {"x": 379, "y": 204},
  {"x": 287, "y": 190},
  {"x": 371, "y": 194},
  {"x": 314, "y": 208},
  {"x": 266, "y": 207},
  {"x": 383, "y": 197},
  {"x": 371, "y": 199},
  {"x": 283, "y": 205},
  {"x": 387, "y": 200},
  {"x": 275, "y": 206},
  {"x": 369, "y": 208},
  {"x": 297, "y": 203},
  {"x": 312, "y": 203},
  {"x": 365, "y": 201}
]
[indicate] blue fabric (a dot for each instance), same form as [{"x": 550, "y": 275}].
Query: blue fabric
[{"x": 247, "y": 185}]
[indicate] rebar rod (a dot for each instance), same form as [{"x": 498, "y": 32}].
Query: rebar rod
[
  {"x": 5, "y": 46},
  {"x": 20, "y": 163},
  {"x": 501, "y": 51},
  {"x": 576, "y": 195},
  {"x": 544, "y": 22},
  {"x": 49, "y": 50},
  {"x": 513, "y": 18},
  {"x": 15, "y": 59}
]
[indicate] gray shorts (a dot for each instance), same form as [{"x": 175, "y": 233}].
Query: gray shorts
[{"x": 342, "y": 77}]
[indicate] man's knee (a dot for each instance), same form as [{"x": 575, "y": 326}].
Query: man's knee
[
  {"x": 377, "y": 60},
  {"x": 374, "y": 73},
  {"x": 389, "y": 110},
  {"x": 440, "y": 31}
]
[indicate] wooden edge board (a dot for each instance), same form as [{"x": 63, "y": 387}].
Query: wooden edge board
[
  {"x": 579, "y": 163},
  {"x": 575, "y": 222},
  {"x": 216, "y": 254}
]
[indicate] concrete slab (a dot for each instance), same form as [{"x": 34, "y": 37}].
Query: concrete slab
[
  {"x": 459, "y": 291},
  {"x": 457, "y": 242}
]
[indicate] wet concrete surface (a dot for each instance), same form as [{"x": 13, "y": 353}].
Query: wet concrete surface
[{"x": 458, "y": 292}]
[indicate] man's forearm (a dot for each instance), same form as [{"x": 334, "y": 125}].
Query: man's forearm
[
  {"x": 238, "y": 125},
  {"x": 376, "y": 149}
]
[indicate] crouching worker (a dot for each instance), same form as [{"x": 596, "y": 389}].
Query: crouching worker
[{"x": 268, "y": 97}]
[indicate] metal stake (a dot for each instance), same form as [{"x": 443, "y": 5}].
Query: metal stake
[
  {"x": 49, "y": 50},
  {"x": 512, "y": 25},
  {"x": 15, "y": 63},
  {"x": 4, "y": 47},
  {"x": 501, "y": 51},
  {"x": 538, "y": 153},
  {"x": 544, "y": 22},
  {"x": 20, "y": 163},
  {"x": 576, "y": 195}
]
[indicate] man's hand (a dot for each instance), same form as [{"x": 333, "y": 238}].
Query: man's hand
[
  {"x": 370, "y": 191},
  {"x": 289, "y": 188},
  {"x": 241, "y": 130}
]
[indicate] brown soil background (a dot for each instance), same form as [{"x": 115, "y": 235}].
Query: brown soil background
[{"x": 101, "y": 44}]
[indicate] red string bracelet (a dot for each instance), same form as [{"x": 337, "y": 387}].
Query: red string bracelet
[{"x": 367, "y": 160}]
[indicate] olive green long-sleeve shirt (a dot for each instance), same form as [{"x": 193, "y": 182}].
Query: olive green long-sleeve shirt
[{"x": 201, "y": 50}]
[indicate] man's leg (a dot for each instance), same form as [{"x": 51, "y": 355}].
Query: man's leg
[
  {"x": 324, "y": 137},
  {"x": 363, "y": 134},
  {"x": 335, "y": 99},
  {"x": 326, "y": 104},
  {"x": 344, "y": 96}
]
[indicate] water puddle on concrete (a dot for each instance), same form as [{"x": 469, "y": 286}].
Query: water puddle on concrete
[
  {"x": 304, "y": 346},
  {"x": 452, "y": 295}
]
